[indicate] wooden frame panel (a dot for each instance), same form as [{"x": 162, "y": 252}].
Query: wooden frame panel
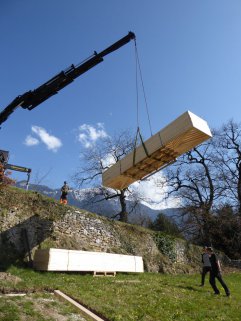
[{"x": 180, "y": 136}]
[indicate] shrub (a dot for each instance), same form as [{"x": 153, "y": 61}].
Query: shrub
[
  {"x": 5, "y": 180},
  {"x": 166, "y": 245},
  {"x": 165, "y": 224}
]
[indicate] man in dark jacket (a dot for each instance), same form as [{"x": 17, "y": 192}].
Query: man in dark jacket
[{"x": 216, "y": 273}]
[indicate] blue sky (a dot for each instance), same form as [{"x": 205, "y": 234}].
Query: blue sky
[{"x": 190, "y": 55}]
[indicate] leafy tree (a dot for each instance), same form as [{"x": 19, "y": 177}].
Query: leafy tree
[
  {"x": 165, "y": 224},
  {"x": 225, "y": 230}
]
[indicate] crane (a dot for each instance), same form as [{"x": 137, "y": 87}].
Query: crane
[{"x": 31, "y": 99}]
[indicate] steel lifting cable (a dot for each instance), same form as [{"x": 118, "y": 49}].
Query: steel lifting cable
[
  {"x": 138, "y": 68},
  {"x": 137, "y": 90}
]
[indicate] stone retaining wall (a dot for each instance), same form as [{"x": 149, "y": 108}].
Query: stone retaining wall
[
  {"x": 29, "y": 221},
  {"x": 22, "y": 233}
]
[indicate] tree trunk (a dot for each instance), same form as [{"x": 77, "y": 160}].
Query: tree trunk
[
  {"x": 206, "y": 229},
  {"x": 123, "y": 213},
  {"x": 239, "y": 188}
]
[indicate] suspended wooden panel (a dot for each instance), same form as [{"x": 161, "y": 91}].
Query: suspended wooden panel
[
  {"x": 71, "y": 260},
  {"x": 180, "y": 136}
]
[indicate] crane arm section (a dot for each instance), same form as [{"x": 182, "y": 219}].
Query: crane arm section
[
  {"x": 33, "y": 98},
  {"x": 17, "y": 168}
]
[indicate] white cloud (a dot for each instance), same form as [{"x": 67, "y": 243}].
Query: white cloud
[
  {"x": 31, "y": 141},
  {"x": 154, "y": 191},
  {"x": 88, "y": 135},
  {"x": 108, "y": 161},
  {"x": 53, "y": 143}
]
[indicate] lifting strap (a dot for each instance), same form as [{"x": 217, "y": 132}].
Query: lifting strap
[{"x": 143, "y": 145}]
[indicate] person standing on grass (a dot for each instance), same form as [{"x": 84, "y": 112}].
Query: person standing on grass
[
  {"x": 216, "y": 273},
  {"x": 206, "y": 265}
]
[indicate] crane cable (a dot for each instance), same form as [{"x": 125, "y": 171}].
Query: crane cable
[
  {"x": 138, "y": 68},
  {"x": 138, "y": 132}
]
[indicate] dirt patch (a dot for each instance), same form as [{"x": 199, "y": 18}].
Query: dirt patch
[
  {"x": 54, "y": 309},
  {"x": 37, "y": 306},
  {"x": 45, "y": 307},
  {"x": 4, "y": 276}
]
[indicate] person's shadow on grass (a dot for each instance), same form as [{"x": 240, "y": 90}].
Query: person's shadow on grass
[{"x": 189, "y": 287}]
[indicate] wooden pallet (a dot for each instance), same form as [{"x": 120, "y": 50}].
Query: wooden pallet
[
  {"x": 104, "y": 273},
  {"x": 162, "y": 149}
]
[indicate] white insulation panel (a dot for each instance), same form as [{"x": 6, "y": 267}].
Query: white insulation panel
[{"x": 71, "y": 260}]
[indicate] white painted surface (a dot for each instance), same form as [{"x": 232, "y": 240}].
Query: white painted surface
[{"x": 200, "y": 123}]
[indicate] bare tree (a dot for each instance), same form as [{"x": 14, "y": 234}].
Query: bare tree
[
  {"x": 98, "y": 158},
  {"x": 206, "y": 179},
  {"x": 228, "y": 151},
  {"x": 193, "y": 179},
  {"x": 39, "y": 178}
]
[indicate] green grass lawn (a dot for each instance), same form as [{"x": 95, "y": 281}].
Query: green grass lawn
[{"x": 141, "y": 297}]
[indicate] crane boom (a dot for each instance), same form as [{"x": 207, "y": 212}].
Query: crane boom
[
  {"x": 18, "y": 168},
  {"x": 33, "y": 98}
]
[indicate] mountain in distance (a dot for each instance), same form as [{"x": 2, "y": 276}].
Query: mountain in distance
[{"x": 82, "y": 198}]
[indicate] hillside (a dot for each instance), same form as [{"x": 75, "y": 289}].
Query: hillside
[{"x": 29, "y": 220}]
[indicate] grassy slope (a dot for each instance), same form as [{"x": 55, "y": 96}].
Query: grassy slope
[{"x": 143, "y": 297}]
